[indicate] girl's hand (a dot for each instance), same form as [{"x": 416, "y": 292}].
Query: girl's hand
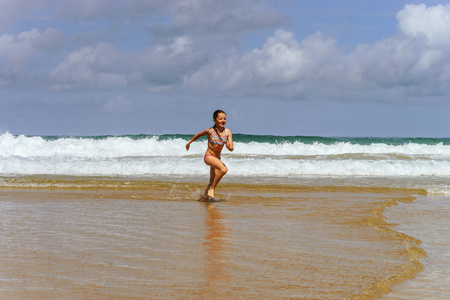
[{"x": 187, "y": 146}]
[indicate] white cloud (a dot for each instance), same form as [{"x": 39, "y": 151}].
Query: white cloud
[
  {"x": 193, "y": 46},
  {"x": 282, "y": 68},
  {"x": 181, "y": 44},
  {"x": 163, "y": 66},
  {"x": 17, "y": 49},
  {"x": 176, "y": 38},
  {"x": 156, "y": 68},
  {"x": 413, "y": 63},
  {"x": 433, "y": 22},
  {"x": 89, "y": 68},
  {"x": 283, "y": 60},
  {"x": 416, "y": 61},
  {"x": 21, "y": 54}
]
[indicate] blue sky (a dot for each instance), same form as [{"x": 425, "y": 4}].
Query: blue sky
[{"x": 313, "y": 67}]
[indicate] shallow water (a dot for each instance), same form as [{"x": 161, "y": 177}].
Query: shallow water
[
  {"x": 271, "y": 242},
  {"x": 303, "y": 217},
  {"x": 426, "y": 219}
]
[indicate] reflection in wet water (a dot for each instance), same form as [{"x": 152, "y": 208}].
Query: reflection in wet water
[
  {"x": 217, "y": 253},
  {"x": 217, "y": 245}
]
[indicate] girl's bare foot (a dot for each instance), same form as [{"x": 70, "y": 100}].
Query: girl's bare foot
[
  {"x": 207, "y": 190},
  {"x": 211, "y": 193}
]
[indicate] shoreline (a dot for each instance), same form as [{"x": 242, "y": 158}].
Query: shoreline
[
  {"x": 51, "y": 182},
  {"x": 255, "y": 230}
]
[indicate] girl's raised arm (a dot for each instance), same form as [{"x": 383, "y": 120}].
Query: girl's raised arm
[{"x": 196, "y": 137}]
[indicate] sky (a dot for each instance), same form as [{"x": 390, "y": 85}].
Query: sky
[{"x": 281, "y": 67}]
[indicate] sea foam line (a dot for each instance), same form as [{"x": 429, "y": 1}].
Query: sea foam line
[
  {"x": 23, "y": 146},
  {"x": 143, "y": 166}
]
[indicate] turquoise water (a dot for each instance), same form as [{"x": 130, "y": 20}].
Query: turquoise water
[{"x": 274, "y": 139}]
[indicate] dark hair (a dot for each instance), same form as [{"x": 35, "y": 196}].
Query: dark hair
[
  {"x": 217, "y": 112},
  {"x": 215, "y": 115}
]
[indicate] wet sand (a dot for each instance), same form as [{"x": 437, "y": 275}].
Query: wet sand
[{"x": 269, "y": 242}]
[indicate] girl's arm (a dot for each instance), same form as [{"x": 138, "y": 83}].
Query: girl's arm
[
  {"x": 230, "y": 145},
  {"x": 196, "y": 137}
]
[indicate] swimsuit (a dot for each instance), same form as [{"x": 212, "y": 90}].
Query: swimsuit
[
  {"x": 214, "y": 156},
  {"x": 216, "y": 139}
]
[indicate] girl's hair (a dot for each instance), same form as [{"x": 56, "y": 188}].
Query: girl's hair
[
  {"x": 215, "y": 115},
  {"x": 217, "y": 112}
]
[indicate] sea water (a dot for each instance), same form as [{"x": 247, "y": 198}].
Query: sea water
[
  {"x": 382, "y": 162},
  {"x": 116, "y": 161},
  {"x": 420, "y": 162},
  {"x": 426, "y": 219}
]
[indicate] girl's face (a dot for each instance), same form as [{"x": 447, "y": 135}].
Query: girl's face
[{"x": 221, "y": 120}]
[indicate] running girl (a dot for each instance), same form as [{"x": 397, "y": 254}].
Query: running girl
[{"x": 218, "y": 136}]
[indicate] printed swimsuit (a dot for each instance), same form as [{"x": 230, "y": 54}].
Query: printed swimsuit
[{"x": 218, "y": 140}]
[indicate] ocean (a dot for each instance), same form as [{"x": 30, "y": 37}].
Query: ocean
[
  {"x": 394, "y": 162},
  {"x": 131, "y": 177}
]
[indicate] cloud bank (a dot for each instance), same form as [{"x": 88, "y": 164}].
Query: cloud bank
[{"x": 197, "y": 46}]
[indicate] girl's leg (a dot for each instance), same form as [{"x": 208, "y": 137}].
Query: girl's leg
[
  {"x": 212, "y": 174},
  {"x": 219, "y": 170}
]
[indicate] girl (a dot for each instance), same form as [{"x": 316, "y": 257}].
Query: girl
[{"x": 218, "y": 136}]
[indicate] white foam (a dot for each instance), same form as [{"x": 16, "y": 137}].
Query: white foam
[
  {"x": 120, "y": 156},
  {"x": 339, "y": 148},
  {"x": 24, "y": 146},
  {"x": 88, "y": 147}
]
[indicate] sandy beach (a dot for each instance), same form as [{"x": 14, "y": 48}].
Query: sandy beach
[{"x": 266, "y": 241}]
